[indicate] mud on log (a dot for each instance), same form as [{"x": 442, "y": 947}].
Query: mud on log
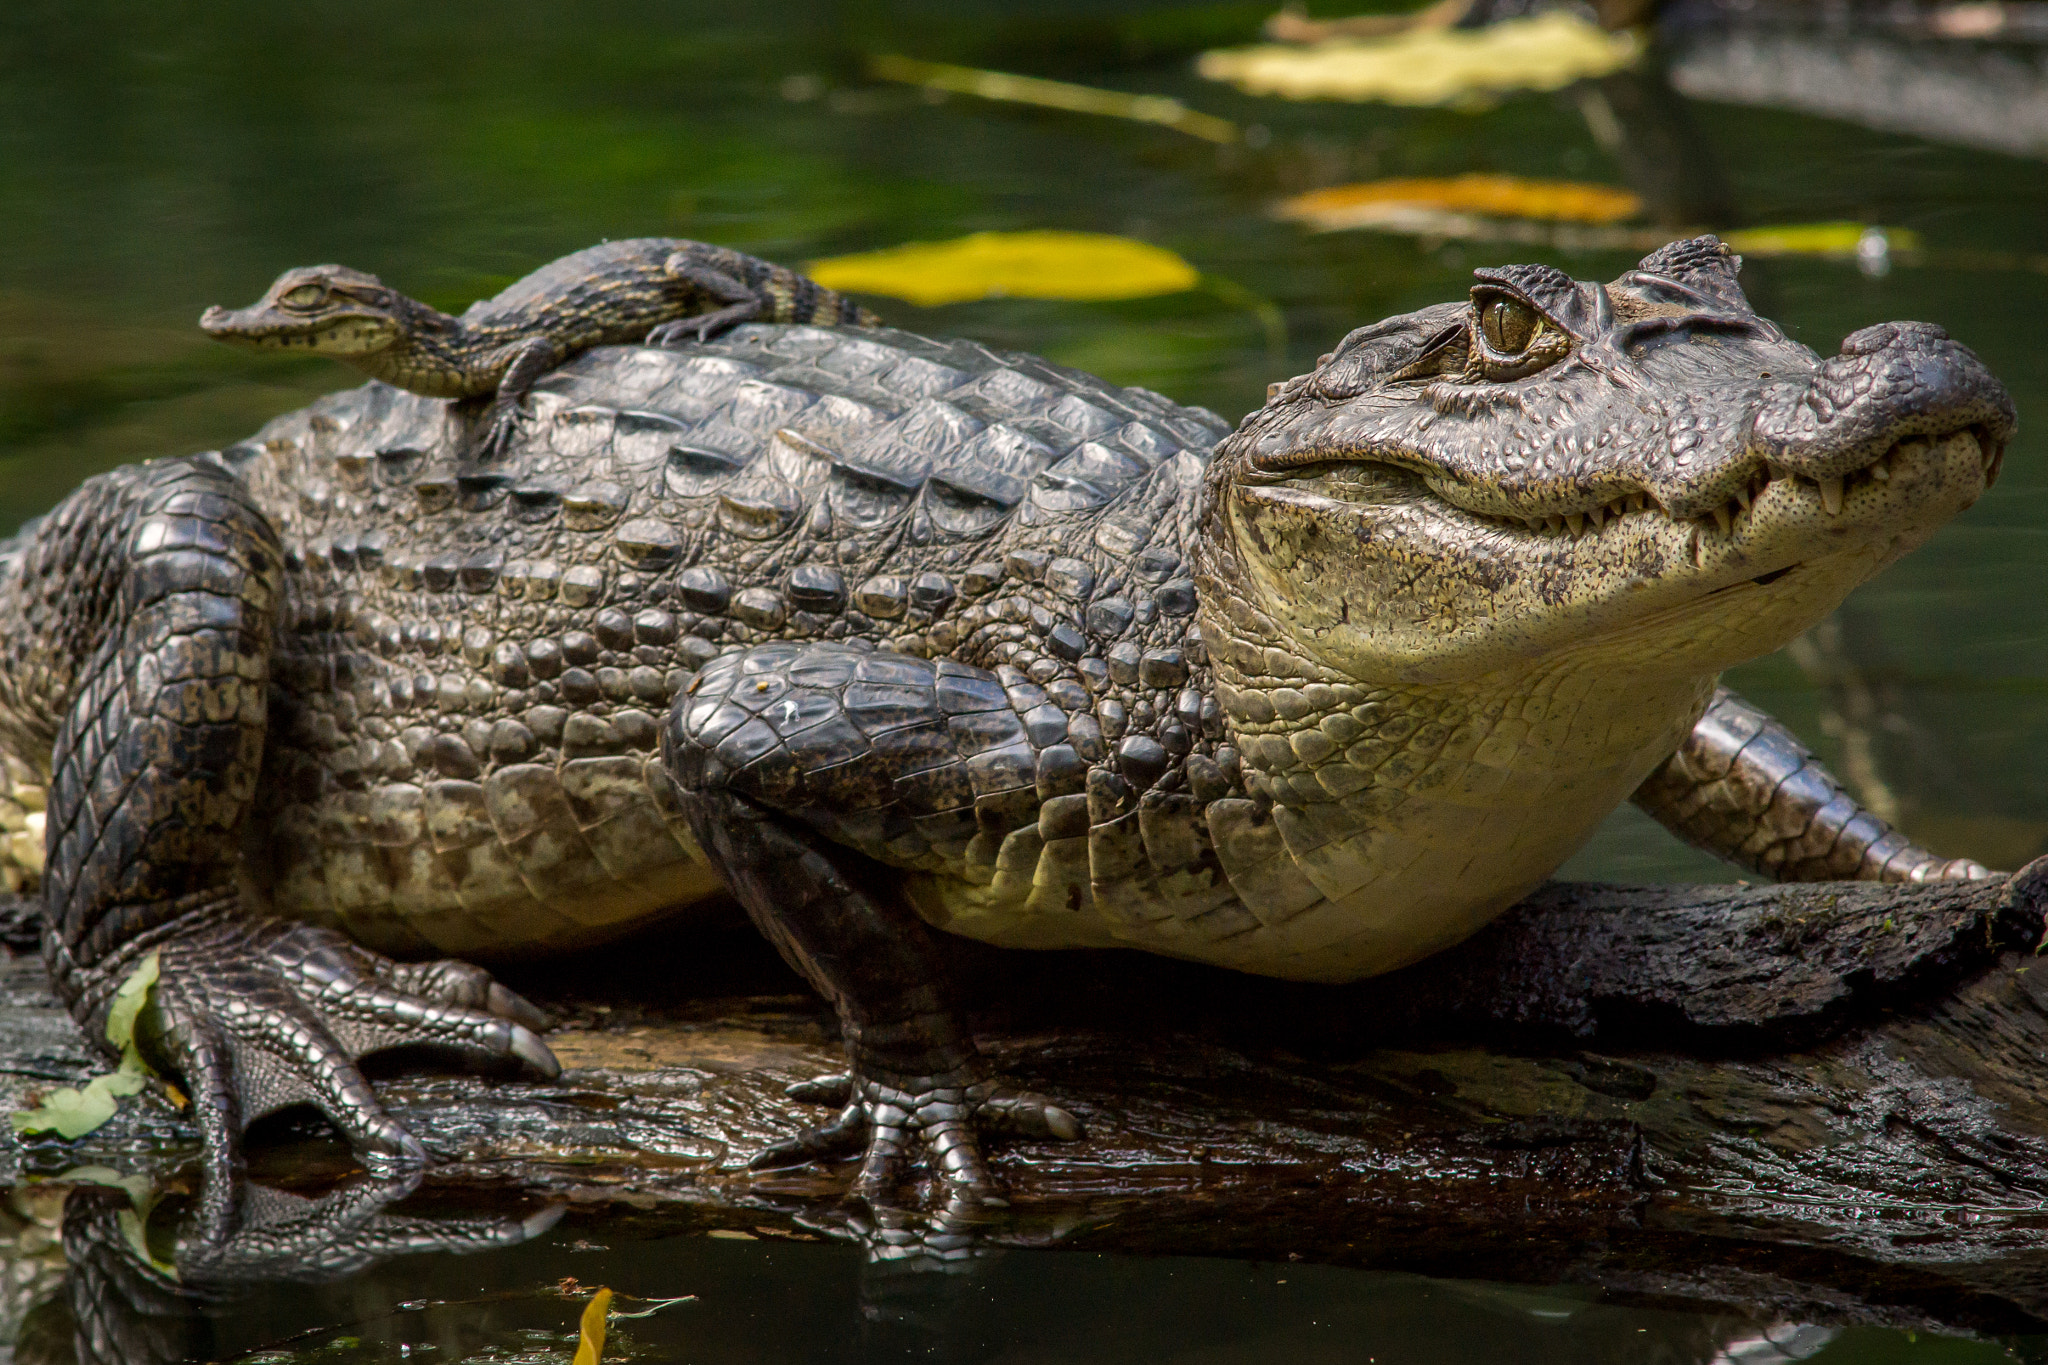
[{"x": 1818, "y": 1103}]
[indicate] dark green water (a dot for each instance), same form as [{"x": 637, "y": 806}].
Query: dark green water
[{"x": 158, "y": 158}]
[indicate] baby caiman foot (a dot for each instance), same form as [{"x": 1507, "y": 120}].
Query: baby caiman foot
[
  {"x": 741, "y": 304},
  {"x": 888, "y": 1125},
  {"x": 257, "y": 1015}
]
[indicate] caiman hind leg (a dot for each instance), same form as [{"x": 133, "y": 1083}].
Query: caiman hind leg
[
  {"x": 155, "y": 764},
  {"x": 698, "y": 272},
  {"x": 1744, "y": 788},
  {"x": 809, "y": 773}
]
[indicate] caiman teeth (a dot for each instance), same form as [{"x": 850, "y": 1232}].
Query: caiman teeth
[
  {"x": 1580, "y": 524},
  {"x": 1728, "y": 516}
]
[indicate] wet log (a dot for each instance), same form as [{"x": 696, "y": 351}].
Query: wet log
[{"x": 1814, "y": 1103}]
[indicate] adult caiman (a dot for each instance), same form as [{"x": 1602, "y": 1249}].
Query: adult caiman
[{"x": 889, "y": 635}]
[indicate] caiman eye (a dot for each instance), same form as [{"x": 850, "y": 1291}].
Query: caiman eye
[
  {"x": 305, "y": 296},
  {"x": 1509, "y": 325}
]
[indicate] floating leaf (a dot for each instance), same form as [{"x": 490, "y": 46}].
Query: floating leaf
[
  {"x": 590, "y": 1348},
  {"x": 1496, "y": 196},
  {"x": 73, "y": 1112},
  {"x": 1819, "y": 239},
  {"x": 1079, "y": 99},
  {"x": 1031, "y": 265},
  {"x": 1390, "y": 206},
  {"x": 1430, "y": 65}
]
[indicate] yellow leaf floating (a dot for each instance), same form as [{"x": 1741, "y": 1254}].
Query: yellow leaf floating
[
  {"x": 1495, "y": 196},
  {"x": 1431, "y": 65},
  {"x": 1026, "y": 265},
  {"x": 1818, "y": 239},
  {"x": 590, "y": 1348}
]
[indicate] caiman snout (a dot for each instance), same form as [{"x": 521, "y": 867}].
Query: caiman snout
[{"x": 1891, "y": 383}]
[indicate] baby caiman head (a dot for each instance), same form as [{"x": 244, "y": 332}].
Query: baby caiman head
[
  {"x": 1644, "y": 471},
  {"x": 322, "y": 309}
]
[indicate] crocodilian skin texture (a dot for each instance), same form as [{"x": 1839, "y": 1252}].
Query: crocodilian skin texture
[{"x": 893, "y": 636}]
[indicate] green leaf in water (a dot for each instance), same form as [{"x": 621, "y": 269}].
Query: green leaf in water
[
  {"x": 128, "y": 1003},
  {"x": 72, "y": 1112}
]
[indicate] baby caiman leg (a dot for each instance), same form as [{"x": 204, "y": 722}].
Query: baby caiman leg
[
  {"x": 813, "y": 776},
  {"x": 530, "y": 360},
  {"x": 155, "y": 761},
  {"x": 1744, "y": 788},
  {"x": 699, "y": 272}
]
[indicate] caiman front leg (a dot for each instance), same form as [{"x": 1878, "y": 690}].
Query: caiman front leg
[
  {"x": 154, "y": 767},
  {"x": 529, "y": 360},
  {"x": 805, "y": 770},
  {"x": 1744, "y": 788}
]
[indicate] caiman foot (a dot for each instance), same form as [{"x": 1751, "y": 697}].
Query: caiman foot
[
  {"x": 888, "y": 1125},
  {"x": 258, "y": 1015},
  {"x": 742, "y": 304},
  {"x": 682, "y": 331}
]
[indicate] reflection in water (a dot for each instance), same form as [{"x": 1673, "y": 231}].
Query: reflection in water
[
  {"x": 1652, "y": 134},
  {"x": 144, "y": 1290},
  {"x": 1778, "y": 1344},
  {"x": 1966, "y": 95},
  {"x": 279, "y": 1292}
]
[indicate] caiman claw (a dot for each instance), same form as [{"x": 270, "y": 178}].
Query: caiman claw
[
  {"x": 887, "y": 1126},
  {"x": 256, "y": 1016}
]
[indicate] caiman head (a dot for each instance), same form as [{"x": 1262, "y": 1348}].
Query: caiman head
[
  {"x": 1645, "y": 472},
  {"x": 327, "y": 310}
]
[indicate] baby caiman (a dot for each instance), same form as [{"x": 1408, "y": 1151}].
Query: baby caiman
[{"x": 660, "y": 290}]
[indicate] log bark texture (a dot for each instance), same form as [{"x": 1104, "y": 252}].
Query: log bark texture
[{"x": 1813, "y": 1103}]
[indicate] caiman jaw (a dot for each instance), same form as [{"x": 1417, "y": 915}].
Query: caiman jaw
[
  {"x": 1831, "y": 492},
  {"x": 338, "y": 336}
]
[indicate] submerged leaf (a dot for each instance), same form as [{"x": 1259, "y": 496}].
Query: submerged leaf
[
  {"x": 590, "y": 1349},
  {"x": 1080, "y": 99},
  {"x": 1496, "y": 196},
  {"x": 1430, "y": 65},
  {"x": 1033, "y": 265}
]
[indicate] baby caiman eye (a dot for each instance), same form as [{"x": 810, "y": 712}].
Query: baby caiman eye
[
  {"x": 305, "y": 296},
  {"x": 1509, "y": 325}
]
